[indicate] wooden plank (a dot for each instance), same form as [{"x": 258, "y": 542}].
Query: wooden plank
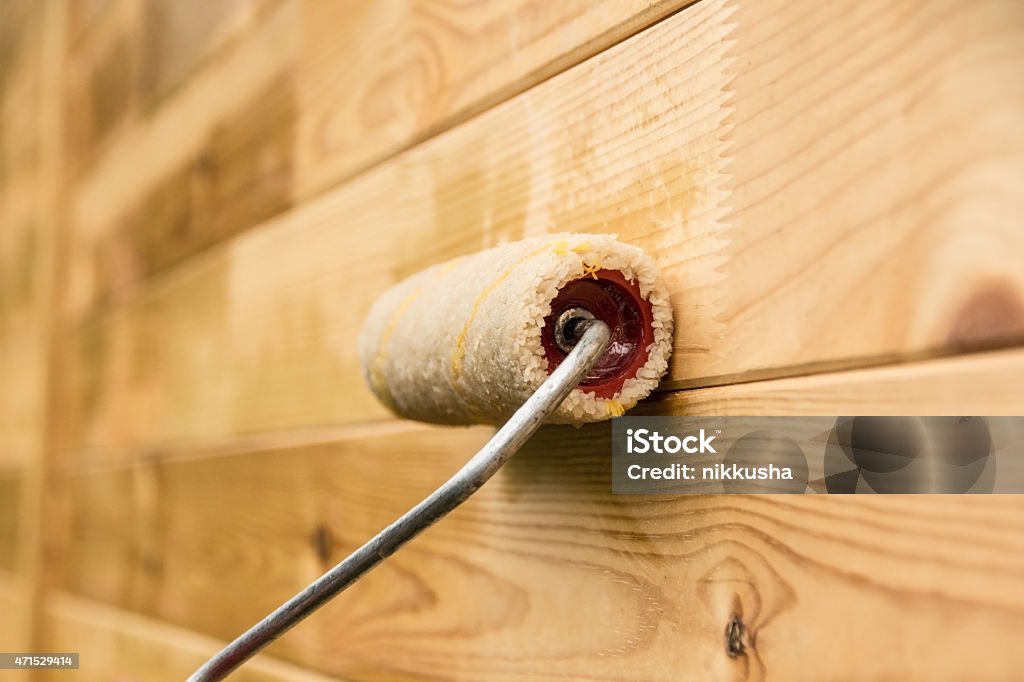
[
  {"x": 180, "y": 35},
  {"x": 11, "y": 514},
  {"x": 412, "y": 69},
  {"x": 787, "y": 245},
  {"x": 505, "y": 587},
  {"x": 209, "y": 159},
  {"x": 18, "y": 62},
  {"x": 978, "y": 384},
  {"x": 31, "y": 176},
  {"x": 25, "y": 261},
  {"x": 26, "y": 237},
  {"x": 125, "y": 56},
  {"x": 101, "y": 95},
  {"x": 193, "y": 121},
  {"x": 14, "y": 605},
  {"x": 119, "y": 645}
]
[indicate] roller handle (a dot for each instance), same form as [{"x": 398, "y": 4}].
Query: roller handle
[{"x": 593, "y": 339}]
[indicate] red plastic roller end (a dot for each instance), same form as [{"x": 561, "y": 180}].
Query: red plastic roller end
[{"x": 616, "y": 301}]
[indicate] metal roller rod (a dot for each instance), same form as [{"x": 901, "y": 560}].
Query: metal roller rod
[{"x": 594, "y": 337}]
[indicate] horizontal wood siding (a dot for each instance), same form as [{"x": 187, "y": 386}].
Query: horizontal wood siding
[
  {"x": 545, "y": 562},
  {"x": 803, "y": 247},
  {"x": 200, "y": 201}
]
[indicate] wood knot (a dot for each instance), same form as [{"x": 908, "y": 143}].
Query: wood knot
[
  {"x": 321, "y": 541},
  {"x": 206, "y": 164},
  {"x": 992, "y": 315},
  {"x": 152, "y": 564},
  {"x": 734, "y": 635}
]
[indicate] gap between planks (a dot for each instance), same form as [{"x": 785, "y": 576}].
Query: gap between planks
[{"x": 999, "y": 370}]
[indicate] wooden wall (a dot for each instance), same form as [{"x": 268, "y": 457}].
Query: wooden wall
[{"x": 200, "y": 200}]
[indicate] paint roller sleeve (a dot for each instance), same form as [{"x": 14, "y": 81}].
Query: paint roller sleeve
[{"x": 468, "y": 341}]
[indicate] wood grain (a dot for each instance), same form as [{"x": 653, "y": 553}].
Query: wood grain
[
  {"x": 119, "y": 645},
  {"x": 811, "y": 208},
  {"x": 544, "y": 574},
  {"x": 298, "y": 94},
  {"x": 413, "y": 69},
  {"x": 27, "y": 235}
]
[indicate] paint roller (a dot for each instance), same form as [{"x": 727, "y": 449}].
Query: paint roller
[{"x": 565, "y": 328}]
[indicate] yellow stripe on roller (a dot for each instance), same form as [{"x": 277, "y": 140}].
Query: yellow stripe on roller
[
  {"x": 561, "y": 248},
  {"x": 380, "y": 386},
  {"x": 459, "y": 352}
]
